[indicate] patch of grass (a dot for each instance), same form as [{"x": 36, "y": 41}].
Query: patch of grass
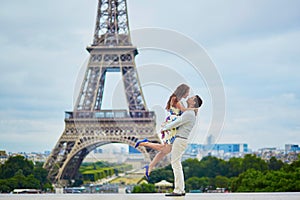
[{"x": 126, "y": 180}]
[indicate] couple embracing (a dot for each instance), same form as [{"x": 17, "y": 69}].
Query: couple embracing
[{"x": 174, "y": 134}]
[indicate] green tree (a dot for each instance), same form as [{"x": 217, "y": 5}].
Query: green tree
[
  {"x": 196, "y": 183},
  {"x": 248, "y": 174},
  {"x": 18, "y": 172},
  {"x": 211, "y": 166},
  {"x": 48, "y": 187},
  {"x": 161, "y": 174},
  {"x": 41, "y": 175},
  {"x": 223, "y": 167},
  {"x": 234, "y": 167},
  {"x": 144, "y": 188},
  {"x": 274, "y": 164},
  {"x": 4, "y": 187},
  {"x": 222, "y": 182},
  {"x": 295, "y": 165},
  {"x": 31, "y": 182},
  {"x": 295, "y": 186},
  {"x": 20, "y": 178},
  {"x": 192, "y": 168},
  {"x": 253, "y": 162},
  {"x": 13, "y": 164},
  {"x": 247, "y": 181},
  {"x": 137, "y": 189},
  {"x": 12, "y": 183}
]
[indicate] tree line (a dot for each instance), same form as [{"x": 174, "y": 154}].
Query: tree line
[
  {"x": 248, "y": 174},
  {"x": 20, "y": 173}
]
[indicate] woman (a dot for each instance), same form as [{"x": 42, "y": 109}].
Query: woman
[{"x": 175, "y": 109}]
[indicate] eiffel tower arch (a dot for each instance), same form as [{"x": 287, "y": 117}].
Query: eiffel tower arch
[{"x": 89, "y": 126}]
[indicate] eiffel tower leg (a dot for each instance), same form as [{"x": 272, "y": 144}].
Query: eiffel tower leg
[{"x": 81, "y": 136}]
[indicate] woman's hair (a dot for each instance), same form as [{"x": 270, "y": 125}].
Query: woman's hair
[{"x": 180, "y": 91}]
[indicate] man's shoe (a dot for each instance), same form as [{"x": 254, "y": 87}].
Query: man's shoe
[{"x": 173, "y": 194}]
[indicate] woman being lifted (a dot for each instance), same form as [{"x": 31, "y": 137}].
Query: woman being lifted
[{"x": 175, "y": 108}]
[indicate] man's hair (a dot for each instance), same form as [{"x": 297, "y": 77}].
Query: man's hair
[{"x": 198, "y": 102}]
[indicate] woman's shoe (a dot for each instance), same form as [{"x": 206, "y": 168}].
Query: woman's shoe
[
  {"x": 139, "y": 142},
  {"x": 147, "y": 172}
]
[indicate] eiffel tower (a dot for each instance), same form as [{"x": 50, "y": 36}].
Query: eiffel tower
[{"x": 88, "y": 126}]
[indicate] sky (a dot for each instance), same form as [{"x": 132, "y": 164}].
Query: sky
[{"x": 253, "y": 44}]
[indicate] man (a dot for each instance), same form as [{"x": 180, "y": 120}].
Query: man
[{"x": 185, "y": 124}]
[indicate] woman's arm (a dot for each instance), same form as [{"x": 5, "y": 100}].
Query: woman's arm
[{"x": 182, "y": 108}]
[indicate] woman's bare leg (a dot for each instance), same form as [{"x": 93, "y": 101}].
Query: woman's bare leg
[
  {"x": 159, "y": 156},
  {"x": 156, "y": 146}
]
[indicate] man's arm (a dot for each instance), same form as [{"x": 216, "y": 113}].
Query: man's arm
[{"x": 179, "y": 121}]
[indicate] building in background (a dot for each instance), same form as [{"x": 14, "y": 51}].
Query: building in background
[
  {"x": 292, "y": 148},
  {"x": 3, "y": 156},
  {"x": 222, "y": 151},
  {"x": 120, "y": 153}
]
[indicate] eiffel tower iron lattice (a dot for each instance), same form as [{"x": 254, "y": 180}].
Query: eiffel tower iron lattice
[{"x": 88, "y": 126}]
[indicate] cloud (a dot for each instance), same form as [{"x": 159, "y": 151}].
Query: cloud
[
  {"x": 19, "y": 135},
  {"x": 262, "y": 121},
  {"x": 260, "y": 66},
  {"x": 254, "y": 44},
  {"x": 212, "y": 22}
]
